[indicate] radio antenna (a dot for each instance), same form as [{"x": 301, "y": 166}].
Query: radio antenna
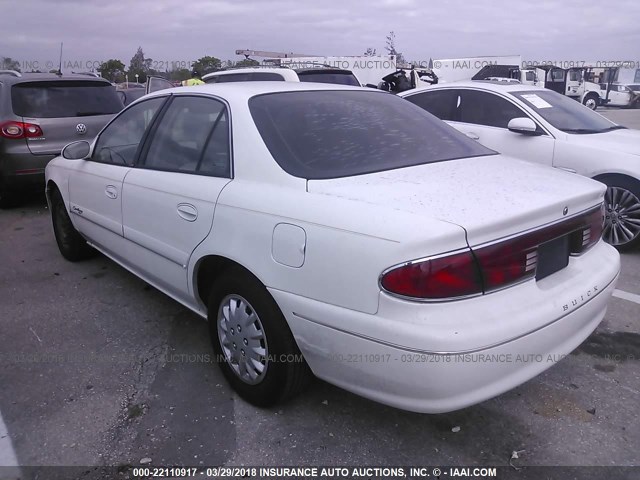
[{"x": 60, "y": 65}]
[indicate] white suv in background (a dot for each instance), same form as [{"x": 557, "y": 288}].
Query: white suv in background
[{"x": 337, "y": 76}]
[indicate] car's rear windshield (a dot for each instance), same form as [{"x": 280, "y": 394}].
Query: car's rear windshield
[
  {"x": 564, "y": 113},
  {"x": 57, "y": 99},
  {"x": 333, "y": 134},
  {"x": 329, "y": 76}
]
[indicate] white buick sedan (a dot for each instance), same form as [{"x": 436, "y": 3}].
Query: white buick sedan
[
  {"x": 343, "y": 232},
  {"x": 542, "y": 126}
]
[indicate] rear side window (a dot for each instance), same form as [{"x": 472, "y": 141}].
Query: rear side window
[
  {"x": 339, "y": 78},
  {"x": 266, "y": 76},
  {"x": 484, "y": 108},
  {"x": 233, "y": 77},
  {"x": 636, "y": 78},
  {"x": 333, "y": 134},
  {"x": 61, "y": 99},
  {"x": 441, "y": 103}
]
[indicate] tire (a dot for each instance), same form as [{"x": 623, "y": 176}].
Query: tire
[
  {"x": 622, "y": 215},
  {"x": 70, "y": 243},
  {"x": 7, "y": 200},
  {"x": 277, "y": 370},
  {"x": 591, "y": 101}
]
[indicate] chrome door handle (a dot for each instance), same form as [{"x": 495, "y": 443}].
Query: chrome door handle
[
  {"x": 187, "y": 212},
  {"x": 111, "y": 192},
  {"x": 472, "y": 135}
]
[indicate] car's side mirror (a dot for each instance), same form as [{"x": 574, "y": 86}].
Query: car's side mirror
[
  {"x": 523, "y": 125},
  {"x": 76, "y": 150}
]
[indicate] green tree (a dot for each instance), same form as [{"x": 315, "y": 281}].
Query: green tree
[
  {"x": 113, "y": 70},
  {"x": 8, "y": 63},
  {"x": 139, "y": 66},
  {"x": 247, "y": 62},
  {"x": 206, "y": 64},
  {"x": 179, "y": 74},
  {"x": 371, "y": 52},
  {"x": 391, "y": 48}
]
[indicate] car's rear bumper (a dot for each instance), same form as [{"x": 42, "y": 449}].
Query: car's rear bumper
[
  {"x": 24, "y": 171},
  {"x": 437, "y": 362}
]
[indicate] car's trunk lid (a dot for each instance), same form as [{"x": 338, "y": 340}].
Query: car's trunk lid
[{"x": 491, "y": 197}]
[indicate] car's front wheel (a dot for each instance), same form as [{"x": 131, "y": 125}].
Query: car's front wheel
[
  {"x": 253, "y": 344},
  {"x": 591, "y": 101},
  {"x": 622, "y": 212},
  {"x": 70, "y": 243}
]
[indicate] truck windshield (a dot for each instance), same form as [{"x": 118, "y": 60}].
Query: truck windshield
[
  {"x": 564, "y": 113},
  {"x": 332, "y": 134}
]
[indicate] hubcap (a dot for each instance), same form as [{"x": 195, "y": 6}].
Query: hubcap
[
  {"x": 242, "y": 339},
  {"x": 591, "y": 103},
  {"x": 622, "y": 218}
]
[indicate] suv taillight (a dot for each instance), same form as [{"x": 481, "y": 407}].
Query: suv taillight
[
  {"x": 490, "y": 267},
  {"x": 16, "y": 130}
]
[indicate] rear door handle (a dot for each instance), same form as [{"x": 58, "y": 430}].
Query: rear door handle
[
  {"x": 187, "y": 212},
  {"x": 472, "y": 136},
  {"x": 111, "y": 192}
]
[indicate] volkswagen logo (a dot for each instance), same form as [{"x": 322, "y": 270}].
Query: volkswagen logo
[
  {"x": 81, "y": 129},
  {"x": 565, "y": 211}
]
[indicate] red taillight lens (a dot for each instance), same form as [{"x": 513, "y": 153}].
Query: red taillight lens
[
  {"x": 445, "y": 277},
  {"x": 509, "y": 261},
  {"x": 491, "y": 267},
  {"x": 15, "y": 130},
  {"x": 590, "y": 233}
]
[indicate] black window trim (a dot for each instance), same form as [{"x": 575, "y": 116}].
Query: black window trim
[
  {"x": 522, "y": 108},
  {"x": 92, "y": 157},
  {"x": 141, "y": 155}
]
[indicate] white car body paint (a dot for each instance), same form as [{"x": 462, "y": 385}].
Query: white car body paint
[
  {"x": 355, "y": 228},
  {"x": 617, "y": 151},
  {"x": 8, "y": 459}
]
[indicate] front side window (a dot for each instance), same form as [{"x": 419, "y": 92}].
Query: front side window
[
  {"x": 192, "y": 137},
  {"x": 484, "y": 108},
  {"x": 332, "y": 134},
  {"x": 119, "y": 142},
  {"x": 441, "y": 103}
]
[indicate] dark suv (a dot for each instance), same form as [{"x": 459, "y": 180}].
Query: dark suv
[{"x": 39, "y": 114}]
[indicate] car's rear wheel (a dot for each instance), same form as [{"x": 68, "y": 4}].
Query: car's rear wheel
[
  {"x": 591, "y": 101},
  {"x": 252, "y": 341},
  {"x": 622, "y": 215},
  {"x": 70, "y": 243}
]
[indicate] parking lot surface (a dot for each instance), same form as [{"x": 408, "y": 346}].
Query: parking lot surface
[{"x": 98, "y": 368}]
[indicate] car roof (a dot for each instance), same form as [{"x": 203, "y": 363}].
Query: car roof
[
  {"x": 274, "y": 69},
  {"x": 237, "y": 91},
  {"x": 491, "y": 85},
  {"x": 46, "y": 77}
]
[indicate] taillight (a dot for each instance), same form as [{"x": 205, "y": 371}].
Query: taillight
[
  {"x": 438, "y": 278},
  {"x": 491, "y": 267},
  {"x": 590, "y": 233},
  {"x": 16, "y": 130}
]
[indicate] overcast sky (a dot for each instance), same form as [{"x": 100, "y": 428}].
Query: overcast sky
[{"x": 184, "y": 30}]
